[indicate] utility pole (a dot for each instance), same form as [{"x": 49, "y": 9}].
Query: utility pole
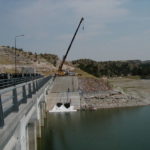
[{"x": 15, "y": 53}]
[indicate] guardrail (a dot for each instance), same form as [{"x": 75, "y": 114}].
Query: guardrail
[
  {"x": 12, "y": 97},
  {"x": 17, "y": 80}
]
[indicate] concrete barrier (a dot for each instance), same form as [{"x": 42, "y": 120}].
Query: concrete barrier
[{"x": 23, "y": 126}]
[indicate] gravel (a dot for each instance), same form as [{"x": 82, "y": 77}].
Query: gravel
[{"x": 125, "y": 93}]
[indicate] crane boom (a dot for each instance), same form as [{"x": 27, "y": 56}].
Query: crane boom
[{"x": 65, "y": 56}]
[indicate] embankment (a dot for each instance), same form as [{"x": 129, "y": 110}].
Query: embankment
[{"x": 97, "y": 94}]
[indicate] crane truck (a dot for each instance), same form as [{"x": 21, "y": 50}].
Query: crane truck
[{"x": 60, "y": 72}]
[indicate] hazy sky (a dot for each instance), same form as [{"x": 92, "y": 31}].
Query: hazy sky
[{"x": 113, "y": 29}]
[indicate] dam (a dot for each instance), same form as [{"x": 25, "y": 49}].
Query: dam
[
  {"x": 33, "y": 127},
  {"x": 23, "y": 109}
]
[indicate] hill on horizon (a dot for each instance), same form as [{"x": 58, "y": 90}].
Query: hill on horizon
[
  {"x": 114, "y": 68},
  {"x": 48, "y": 64}
]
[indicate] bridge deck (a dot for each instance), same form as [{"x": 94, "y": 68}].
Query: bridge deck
[{"x": 13, "y": 119}]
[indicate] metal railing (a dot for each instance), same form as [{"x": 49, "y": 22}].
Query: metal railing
[
  {"x": 7, "y": 82},
  {"x": 12, "y": 97}
]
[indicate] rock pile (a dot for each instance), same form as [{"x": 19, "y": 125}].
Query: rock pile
[
  {"x": 111, "y": 99},
  {"x": 92, "y": 85}
]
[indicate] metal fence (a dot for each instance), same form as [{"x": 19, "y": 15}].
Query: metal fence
[
  {"x": 12, "y": 97},
  {"x": 14, "y": 80}
]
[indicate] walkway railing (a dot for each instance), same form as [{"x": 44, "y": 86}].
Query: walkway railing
[
  {"x": 7, "y": 82},
  {"x": 12, "y": 97}
]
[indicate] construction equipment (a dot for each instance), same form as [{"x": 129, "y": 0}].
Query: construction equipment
[{"x": 60, "y": 71}]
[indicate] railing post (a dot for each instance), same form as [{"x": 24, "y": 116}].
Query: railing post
[
  {"x": 15, "y": 101},
  {"x": 14, "y": 81},
  {"x": 46, "y": 92},
  {"x": 1, "y": 114},
  {"x": 24, "y": 94},
  {"x": 34, "y": 91},
  {"x": 29, "y": 91},
  {"x": 39, "y": 84},
  {"x": 36, "y": 85}
]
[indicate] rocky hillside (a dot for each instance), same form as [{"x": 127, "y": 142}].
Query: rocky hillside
[
  {"x": 42, "y": 63},
  {"x": 88, "y": 84}
]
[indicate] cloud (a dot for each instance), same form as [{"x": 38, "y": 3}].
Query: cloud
[
  {"x": 50, "y": 23},
  {"x": 97, "y": 13},
  {"x": 98, "y": 8}
]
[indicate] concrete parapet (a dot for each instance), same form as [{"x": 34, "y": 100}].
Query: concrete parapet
[{"x": 22, "y": 128}]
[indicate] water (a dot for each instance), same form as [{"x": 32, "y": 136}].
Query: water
[
  {"x": 62, "y": 109},
  {"x": 110, "y": 129}
]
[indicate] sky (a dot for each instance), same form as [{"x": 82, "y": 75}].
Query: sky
[{"x": 113, "y": 29}]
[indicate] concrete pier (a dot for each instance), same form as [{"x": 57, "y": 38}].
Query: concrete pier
[{"x": 32, "y": 139}]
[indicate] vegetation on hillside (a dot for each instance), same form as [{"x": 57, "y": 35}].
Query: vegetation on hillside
[
  {"x": 50, "y": 58},
  {"x": 7, "y": 51},
  {"x": 114, "y": 68},
  {"x": 43, "y": 63}
]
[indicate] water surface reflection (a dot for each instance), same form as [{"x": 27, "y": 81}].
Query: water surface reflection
[{"x": 109, "y": 129}]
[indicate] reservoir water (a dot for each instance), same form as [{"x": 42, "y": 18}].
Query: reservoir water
[{"x": 108, "y": 129}]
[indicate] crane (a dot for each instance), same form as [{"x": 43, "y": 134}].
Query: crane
[{"x": 60, "y": 72}]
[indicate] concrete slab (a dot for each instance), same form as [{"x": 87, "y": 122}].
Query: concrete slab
[
  {"x": 59, "y": 92},
  {"x": 62, "y": 84}
]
